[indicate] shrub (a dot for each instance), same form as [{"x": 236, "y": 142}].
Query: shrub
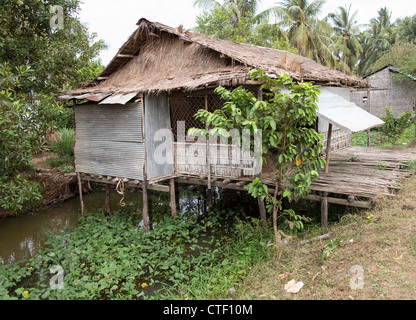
[
  {"x": 394, "y": 127},
  {"x": 19, "y": 195},
  {"x": 63, "y": 142}
]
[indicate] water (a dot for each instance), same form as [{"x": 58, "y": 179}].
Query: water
[{"x": 21, "y": 237}]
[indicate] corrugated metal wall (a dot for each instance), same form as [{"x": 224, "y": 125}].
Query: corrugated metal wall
[
  {"x": 157, "y": 117},
  {"x": 109, "y": 140}
]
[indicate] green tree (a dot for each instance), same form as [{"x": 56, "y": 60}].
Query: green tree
[
  {"x": 218, "y": 23},
  {"x": 54, "y": 55},
  {"x": 285, "y": 120},
  {"x": 239, "y": 8},
  {"x": 310, "y": 35},
  {"x": 22, "y": 130},
  {"x": 379, "y": 38},
  {"x": 347, "y": 47},
  {"x": 399, "y": 55},
  {"x": 406, "y": 29}
]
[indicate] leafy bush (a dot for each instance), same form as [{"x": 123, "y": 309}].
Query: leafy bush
[
  {"x": 395, "y": 126},
  {"x": 63, "y": 142},
  {"x": 18, "y": 194}
]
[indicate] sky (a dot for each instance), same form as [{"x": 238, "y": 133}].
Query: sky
[{"x": 114, "y": 21}]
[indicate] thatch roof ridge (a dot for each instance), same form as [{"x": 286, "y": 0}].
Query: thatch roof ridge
[{"x": 273, "y": 61}]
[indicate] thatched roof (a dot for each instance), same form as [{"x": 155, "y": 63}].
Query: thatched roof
[{"x": 160, "y": 58}]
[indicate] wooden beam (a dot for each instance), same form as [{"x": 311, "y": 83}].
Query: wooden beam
[
  {"x": 129, "y": 56},
  {"x": 328, "y": 147},
  {"x": 80, "y": 192},
  {"x": 343, "y": 202},
  {"x": 133, "y": 184}
]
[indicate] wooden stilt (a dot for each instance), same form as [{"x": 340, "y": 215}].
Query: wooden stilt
[
  {"x": 80, "y": 192},
  {"x": 262, "y": 209},
  {"x": 209, "y": 198},
  {"x": 144, "y": 183},
  {"x": 107, "y": 199},
  {"x": 178, "y": 203},
  {"x": 150, "y": 209},
  {"x": 145, "y": 206},
  {"x": 324, "y": 210},
  {"x": 328, "y": 147},
  {"x": 172, "y": 198}
]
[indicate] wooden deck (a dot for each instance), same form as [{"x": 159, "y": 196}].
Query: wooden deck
[
  {"x": 357, "y": 176},
  {"x": 365, "y": 172}
]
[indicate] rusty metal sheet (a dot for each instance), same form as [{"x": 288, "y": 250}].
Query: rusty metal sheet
[{"x": 97, "y": 97}]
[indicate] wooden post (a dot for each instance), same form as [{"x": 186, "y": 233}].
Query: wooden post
[
  {"x": 328, "y": 147},
  {"x": 324, "y": 210},
  {"x": 150, "y": 209},
  {"x": 145, "y": 203},
  {"x": 144, "y": 183},
  {"x": 107, "y": 199},
  {"x": 414, "y": 111},
  {"x": 80, "y": 192},
  {"x": 172, "y": 198},
  {"x": 208, "y": 157},
  {"x": 369, "y": 110},
  {"x": 262, "y": 209},
  {"x": 209, "y": 198}
]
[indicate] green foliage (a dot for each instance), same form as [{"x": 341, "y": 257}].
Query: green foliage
[
  {"x": 110, "y": 258},
  {"x": 285, "y": 121},
  {"x": 57, "y": 57},
  {"x": 395, "y": 126},
  {"x": 19, "y": 195},
  {"x": 221, "y": 23},
  {"x": 63, "y": 142},
  {"x": 23, "y": 130}
]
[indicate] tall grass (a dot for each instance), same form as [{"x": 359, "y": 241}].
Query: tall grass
[{"x": 63, "y": 142}]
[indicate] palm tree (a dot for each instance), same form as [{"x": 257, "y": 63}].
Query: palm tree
[
  {"x": 240, "y": 8},
  {"x": 311, "y": 36},
  {"x": 379, "y": 38},
  {"x": 407, "y": 29},
  {"x": 347, "y": 46}
]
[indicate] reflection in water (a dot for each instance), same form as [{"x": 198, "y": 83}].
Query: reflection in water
[{"x": 21, "y": 237}]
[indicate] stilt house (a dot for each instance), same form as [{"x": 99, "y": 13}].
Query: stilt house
[{"x": 161, "y": 77}]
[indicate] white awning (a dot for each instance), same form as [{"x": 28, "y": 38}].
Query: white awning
[
  {"x": 343, "y": 113},
  {"x": 119, "y": 98},
  {"x": 333, "y": 107}
]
